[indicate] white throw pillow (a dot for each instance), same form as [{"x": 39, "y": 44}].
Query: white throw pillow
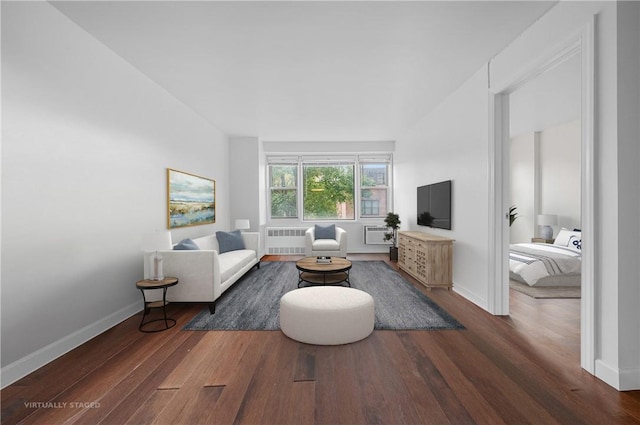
[{"x": 570, "y": 238}]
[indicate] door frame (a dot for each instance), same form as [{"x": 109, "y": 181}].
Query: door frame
[{"x": 498, "y": 291}]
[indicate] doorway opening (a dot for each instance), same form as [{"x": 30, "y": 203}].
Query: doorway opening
[
  {"x": 545, "y": 218},
  {"x": 583, "y": 47}
]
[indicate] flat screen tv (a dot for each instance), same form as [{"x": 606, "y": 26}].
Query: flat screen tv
[{"x": 434, "y": 205}]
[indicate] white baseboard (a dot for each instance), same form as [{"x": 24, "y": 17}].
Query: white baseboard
[
  {"x": 24, "y": 366},
  {"x": 620, "y": 379},
  {"x": 629, "y": 379},
  {"x": 482, "y": 303}
]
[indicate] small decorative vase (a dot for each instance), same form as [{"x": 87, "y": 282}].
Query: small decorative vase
[{"x": 157, "y": 267}]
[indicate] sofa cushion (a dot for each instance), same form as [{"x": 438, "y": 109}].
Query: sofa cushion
[
  {"x": 230, "y": 241},
  {"x": 327, "y": 231},
  {"x": 186, "y": 244},
  {"x": 232, "y": 261}
]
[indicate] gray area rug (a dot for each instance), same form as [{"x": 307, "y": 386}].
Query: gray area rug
[
  {"x": 546, "y": 291},
  {"x": 253, "y": 303}
]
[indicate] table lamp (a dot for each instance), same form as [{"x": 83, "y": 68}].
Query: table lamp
[
  {"x": 545, "y": 221},
  {"x": 153, "y": 242},
  {"x": 242, "y": 224}
]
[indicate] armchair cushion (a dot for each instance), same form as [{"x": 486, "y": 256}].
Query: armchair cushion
[
  {"x": 326, "y": 245},
  {"x": 325, "y": 231},
  {"x": 230, "y": 241}
]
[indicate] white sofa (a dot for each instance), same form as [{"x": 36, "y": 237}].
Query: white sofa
[{"x": 205, "y": 274}]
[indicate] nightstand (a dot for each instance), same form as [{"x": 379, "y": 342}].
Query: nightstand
[
  {"x": 541, "y": 240},
  {"x": 163, "y": 284}
]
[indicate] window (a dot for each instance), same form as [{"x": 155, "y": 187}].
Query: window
[
  {"x": 370, "y": 207},
  {"x": 329, "y": 188},
  {"x": 283, "y": 188},
  {"x": 328, "y": 191},
  {"x": 374, "y": 189}
]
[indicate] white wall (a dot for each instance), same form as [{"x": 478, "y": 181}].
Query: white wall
[
  {"x": 550, "y": 99},
  {"x": 523, "y": 163},
  {"x": 86, "y": 140},
  {"x": 560, "y": 174},
  {"x": 545, "y": 179},
  {"x": 629, "y": 184},
  {"x": 451, "y": 143},
  {"x": 617, "y": 209},
  {"x": 244, "y": 180}
]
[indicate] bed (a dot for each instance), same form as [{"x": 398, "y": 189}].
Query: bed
[{"x": 543, "y": 264}]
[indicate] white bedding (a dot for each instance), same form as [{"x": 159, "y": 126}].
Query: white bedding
[{"x": 540, "y": 264}]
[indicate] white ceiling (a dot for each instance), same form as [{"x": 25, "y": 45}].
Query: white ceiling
[{"x": 320, "y": 71}]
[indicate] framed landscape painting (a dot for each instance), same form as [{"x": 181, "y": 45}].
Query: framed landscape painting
[{"x": 191, "y": 199}]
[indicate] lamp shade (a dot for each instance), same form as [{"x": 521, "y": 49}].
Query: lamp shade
[
  {"x": 242, "y": 224},
  {"x": 156, "y": 241},
  {"x": 547, "y": 219}
]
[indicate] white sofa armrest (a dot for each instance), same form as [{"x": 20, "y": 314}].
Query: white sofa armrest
[
  {"x": 252, "y": 241},
  {"x": 309, "y": 237},
  {"x": 341, "y": 237},
  {"x": 198, "y": 272}
]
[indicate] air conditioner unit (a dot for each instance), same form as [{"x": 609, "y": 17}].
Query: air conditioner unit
[{"x": 374, "y": 235}]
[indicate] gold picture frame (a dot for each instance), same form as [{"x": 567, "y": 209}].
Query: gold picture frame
[{"x": 191, "y": 199}]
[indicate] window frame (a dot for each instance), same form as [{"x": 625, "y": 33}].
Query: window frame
[
  {"x": 308, "y": 163},
  {"x": 387, "y": 187},
  {"x": 356, "y": 160},
  {"x": 296, "y": 188}
]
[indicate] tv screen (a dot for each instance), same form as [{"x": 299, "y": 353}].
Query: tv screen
[{"x": 434, "y": 205}]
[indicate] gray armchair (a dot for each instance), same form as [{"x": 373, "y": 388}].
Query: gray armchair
[{"x": 327, "y": 244}]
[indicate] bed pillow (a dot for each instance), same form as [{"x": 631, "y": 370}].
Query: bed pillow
[
  {"x": 186, "y": 245},
  {"x": 566, "y": 237},
  {"x": 230, "y": 241}
]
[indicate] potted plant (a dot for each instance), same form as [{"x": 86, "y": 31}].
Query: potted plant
[
  {"x": 393, "y": 222},
  {"x": 513, "y": 215}
]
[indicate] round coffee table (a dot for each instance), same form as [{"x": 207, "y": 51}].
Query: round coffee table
[{"x": 333, "y": 273}]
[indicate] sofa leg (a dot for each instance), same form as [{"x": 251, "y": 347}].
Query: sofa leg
[
  {"x": 258, "y": 264},
  {"x": 212, "y": 307}
]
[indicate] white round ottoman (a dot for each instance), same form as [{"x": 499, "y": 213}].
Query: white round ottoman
[{"x": 327, "y": 315}]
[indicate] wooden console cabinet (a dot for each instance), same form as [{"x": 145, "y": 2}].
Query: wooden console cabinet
[{"x": 428, "y": 258}]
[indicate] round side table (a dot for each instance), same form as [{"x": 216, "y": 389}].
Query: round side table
[{"x": 163, "y": 284}]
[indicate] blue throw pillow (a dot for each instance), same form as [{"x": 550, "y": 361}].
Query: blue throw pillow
[
  {"x": 325, "y": 232},
  {"x": 230, "y": 241},
  {"x": 186, "y": 245}
]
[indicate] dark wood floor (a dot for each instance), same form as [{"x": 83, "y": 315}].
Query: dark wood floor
[{"x": 522, "y": 369}]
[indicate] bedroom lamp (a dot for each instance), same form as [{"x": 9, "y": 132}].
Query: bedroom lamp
[
  {"x": 153, "y": 242},
  {"x": 242, "y": 224},
  {"x": 546, "y": 221}
]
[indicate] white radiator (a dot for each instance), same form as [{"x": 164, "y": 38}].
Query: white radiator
[
  {"x": 285, "y": 240},
  {"x": 374, "y": 235}
]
